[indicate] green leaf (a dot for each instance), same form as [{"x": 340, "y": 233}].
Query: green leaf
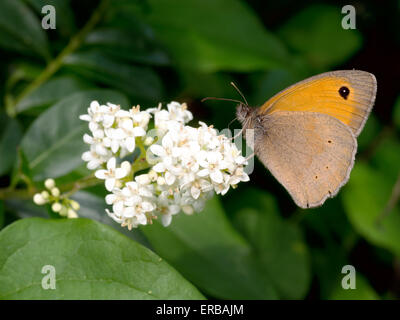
[
  {"x": 316, "y": 34},
  {"x": 279, "y": 245},
  {"x": 370, "y": 131},
  {"x": 91, "y": 261},
  {"x": 328, "y": 261},
  {"x": 53, "y": 143},
  {"x": 210, "y": 253},
  {"x": 141, "y": 83},
  {"x": 126, "y": 45},
  {"x": 212, "y": 35},
  {"x": 26, "y": 208},
  {"x": 268, "y": 84},
  {"x": 93, "y": 207},
  {"x": 50, "y": 92},
  {"x": 21, "y": 30},
  {"x": 365, "y": 199},
  {"x": 10, "y": 136},
  {"x": 22, "y": 170},
  {"x": 387, "y": 157}
]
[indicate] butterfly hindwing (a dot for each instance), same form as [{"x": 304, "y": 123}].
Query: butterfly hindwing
[{"x": 310, "y": 154}]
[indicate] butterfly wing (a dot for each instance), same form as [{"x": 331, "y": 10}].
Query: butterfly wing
[
  {"x": 347, "y": 95},
  {"x": 310, "y": 154}
]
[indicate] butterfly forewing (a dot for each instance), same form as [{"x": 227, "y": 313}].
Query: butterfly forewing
[{"x": 346, "y": 95}]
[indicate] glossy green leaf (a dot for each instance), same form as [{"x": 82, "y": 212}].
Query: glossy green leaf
[
  {"x": 10, "y": 136},
  {"x": 212, "y": 35},
  {"x": 50, "y": 92},
  {"x": 279, "y": 246},
  {"x": 53, "y": 144},
  {"x": 316, "y": 34},
  {"x": 26, "y": 208},
  {"x": 91, "y": 261},
  {"x": 21, "y": 30},
  {"x": 328, "y": 260},
  {"x": 93, "y": 207},
  {"x": 366, "y": 199},
  {"x": 127, "y": 45},
  {"x": 268, "y": 84},
  {"x": 386, "y": 157},
  {"x": 21, "y": 170},
  {"x": 369, "y": 133},
  {"x": 210, "y": 253},
  {"x": 141, "y": 83}
]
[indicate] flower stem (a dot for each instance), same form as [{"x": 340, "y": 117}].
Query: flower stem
[
  {"x": 141, "y": 162},
  {"x": 57, "y": 62}
]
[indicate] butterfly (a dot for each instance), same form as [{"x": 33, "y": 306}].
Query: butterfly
[{"x": 306, "y": 135}]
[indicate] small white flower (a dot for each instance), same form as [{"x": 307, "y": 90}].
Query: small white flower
[
  {"x": 213, "y": 166},
  {"x": 93, "y": 159},
  {"x": 116, "y": 199},
  {"x": 112, "y": 174},
  {"x": 167, "y": 207}
]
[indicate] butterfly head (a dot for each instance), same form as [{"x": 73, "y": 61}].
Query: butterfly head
[{"x": 246, "y": 115}]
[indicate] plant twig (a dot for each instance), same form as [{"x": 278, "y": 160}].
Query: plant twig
[{"x": 57, "y": 62}]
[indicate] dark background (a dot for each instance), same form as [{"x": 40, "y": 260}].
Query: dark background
[{"x": 189, "y": 50}]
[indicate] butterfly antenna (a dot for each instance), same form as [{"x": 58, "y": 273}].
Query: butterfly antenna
[
  {"x": 240, "y": 92},
  {"x": 232, "y": 121},
  {"x": 223, "y": 99}
]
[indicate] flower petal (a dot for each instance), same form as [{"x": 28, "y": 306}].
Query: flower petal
[
  {"x": 216, "y": 176},
  {"x": 157, "y": 150},
  {"x": 110, "y": 184}
]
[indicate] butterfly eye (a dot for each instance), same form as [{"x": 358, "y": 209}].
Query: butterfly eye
[{"x": 344, "y": 92}]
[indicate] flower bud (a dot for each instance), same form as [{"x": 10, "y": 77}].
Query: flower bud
[
  {"x": 55, "y": 192},
  {"x": 160, "y": 181},
  {"x": 45, "y": 195},
  {"x": 38, "y": 199},
  {"x": 75, "y": 205},
  {"x": 143, "y": 179},
  {"x": 56, "y": 207},
  {"x": 64, "y": 211},
  {"x": 153, "y": 175},
  {"x": 49, "y": 184},
  {"x": 148, "y": 141},
  {"x": 72, "y": 214}
]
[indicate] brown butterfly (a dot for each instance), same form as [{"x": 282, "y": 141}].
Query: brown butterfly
[{"x": 306, "y": 134}]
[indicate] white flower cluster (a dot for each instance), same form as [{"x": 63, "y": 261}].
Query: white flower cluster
[
  {"x": 60, "y": 204},
  {"x": 114, "y": 132},
  {"x": 184, "y": 165}
]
